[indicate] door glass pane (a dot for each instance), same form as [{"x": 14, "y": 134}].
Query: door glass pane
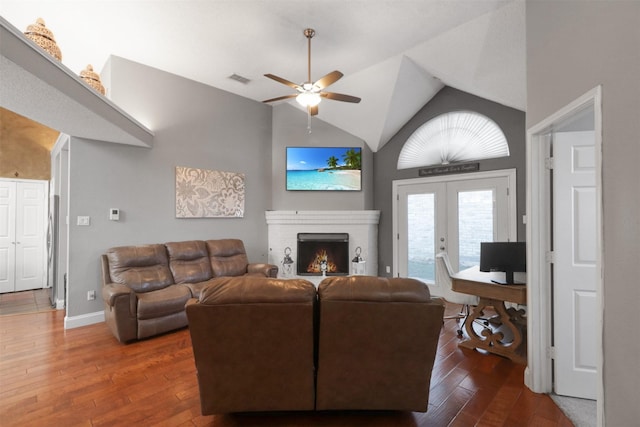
[
  {"x": 420, "y": 236},
  {"x": 475, "y": 225}
]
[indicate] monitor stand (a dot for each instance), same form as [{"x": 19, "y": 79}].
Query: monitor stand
[{"x": 508, "y": 279}]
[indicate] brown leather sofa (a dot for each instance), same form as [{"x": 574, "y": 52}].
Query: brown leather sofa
[
  {"x": 145, "y": 288},
  {"x": 374, "y": 340}
]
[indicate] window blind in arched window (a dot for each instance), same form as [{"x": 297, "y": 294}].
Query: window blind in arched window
[{"x": 457, "y": 136}]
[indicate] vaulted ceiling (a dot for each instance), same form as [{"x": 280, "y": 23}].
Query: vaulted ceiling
[{"x": 395, "y": 54}]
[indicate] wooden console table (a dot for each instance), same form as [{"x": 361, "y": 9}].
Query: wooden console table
[{"x": 474, "y": 282}]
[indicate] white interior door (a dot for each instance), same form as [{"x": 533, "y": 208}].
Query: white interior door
[
  {"x": 574, "y": 278},
  {"x": 22, "y": 235},
  {"x": 7, "y": 236},
  {"x": 450, "y": 214},
  {"x": 30, "y": 235}
]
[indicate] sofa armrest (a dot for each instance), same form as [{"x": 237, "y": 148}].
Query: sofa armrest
[
  {"x": 120, "y": 311},
  {"x": 111, "y": 291},
  {"x": 268, "y": 270}
]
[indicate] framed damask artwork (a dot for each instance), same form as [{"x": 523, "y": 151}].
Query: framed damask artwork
[{"x": 203, "y": 193}]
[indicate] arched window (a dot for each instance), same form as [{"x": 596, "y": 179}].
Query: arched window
[{"x": 457, "y": 136}]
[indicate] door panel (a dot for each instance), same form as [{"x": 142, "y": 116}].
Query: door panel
[
  {"x": 422, "y": 206},
  {"x": 575, "y": 251},
  {"x": 478, "y": 212},
  {"x": 30, "y": 233},
  {"x": 7, "y": 236},
  {"x": 475, "y": 225}
]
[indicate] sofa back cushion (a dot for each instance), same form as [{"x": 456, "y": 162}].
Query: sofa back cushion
[
  {"x": 142, "y": 268},
  {"x": 227, "y": 257},
  {"x": 189, "y": 261},
  {"x": 253, "y": 344},
  {"x": 377, "y": 343}
]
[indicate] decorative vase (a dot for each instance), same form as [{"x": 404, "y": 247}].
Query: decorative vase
[
  {"x": 92, "y": 79},
  {"x": 43, "y": 37}
]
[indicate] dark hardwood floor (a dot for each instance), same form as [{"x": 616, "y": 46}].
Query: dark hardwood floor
[{"x": 84, "y": 377}]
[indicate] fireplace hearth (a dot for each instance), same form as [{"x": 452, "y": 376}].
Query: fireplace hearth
[{"x": 323, "y": 254}]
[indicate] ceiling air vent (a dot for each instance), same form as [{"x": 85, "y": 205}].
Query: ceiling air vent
[{"x": 239, "y": 78}]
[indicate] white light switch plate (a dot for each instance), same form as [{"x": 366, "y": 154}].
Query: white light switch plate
[{"x": 84, "y": 220}]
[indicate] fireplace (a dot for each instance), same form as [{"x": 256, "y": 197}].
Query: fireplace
[
  {"x": 320, "y": 253},
  {"x": 284, "y": 227}
]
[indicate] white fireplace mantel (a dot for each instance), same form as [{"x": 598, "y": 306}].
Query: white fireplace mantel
[{"x": 362, "y": 227}]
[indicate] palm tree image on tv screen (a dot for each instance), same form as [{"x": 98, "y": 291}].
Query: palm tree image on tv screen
[{"x": 324, "y": 168}]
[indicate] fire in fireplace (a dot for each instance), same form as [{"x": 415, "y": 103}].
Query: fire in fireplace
[{"x": 323, "y": 251}]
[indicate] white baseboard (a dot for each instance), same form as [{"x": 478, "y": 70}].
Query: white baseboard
[
  {"x": 83, "y": 320},
  {"x": 59, "y": 304}
]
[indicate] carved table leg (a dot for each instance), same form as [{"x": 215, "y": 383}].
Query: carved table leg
[{"x": 493, "y": 341}]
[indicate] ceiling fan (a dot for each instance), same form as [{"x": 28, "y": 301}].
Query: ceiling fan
[{"x": 311, "y": 93}]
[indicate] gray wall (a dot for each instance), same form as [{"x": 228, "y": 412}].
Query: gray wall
[
  {"x": 573, "y": 46},
  {"x": 290, "y": 130},
  {"x": 511, "y": 122},
  {"x": 195, "y": 126}
]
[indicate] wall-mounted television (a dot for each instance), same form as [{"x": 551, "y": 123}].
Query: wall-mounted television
[{"x": 324, "y": 168}]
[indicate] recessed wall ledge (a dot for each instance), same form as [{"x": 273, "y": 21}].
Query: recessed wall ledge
[{"x": 37, "y": 86}]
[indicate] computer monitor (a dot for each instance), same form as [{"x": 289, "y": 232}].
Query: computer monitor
[{"x": 503, "y": 256}]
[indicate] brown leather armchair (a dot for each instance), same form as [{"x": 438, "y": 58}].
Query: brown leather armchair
[
  {"x": 253, "y": 344},
  {"x": 377, "y": 343}
]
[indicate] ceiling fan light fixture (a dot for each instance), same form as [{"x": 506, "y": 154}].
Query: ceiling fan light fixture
[
  {"x": 308, "y": 99},
  {"x": 310, "y": 93}
]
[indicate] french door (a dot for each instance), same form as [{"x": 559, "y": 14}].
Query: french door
[
  {"x": 452, "y": 214},
  {"x": 22, "y": 235}
]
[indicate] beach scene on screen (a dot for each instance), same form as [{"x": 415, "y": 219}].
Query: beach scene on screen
[{"x": 324, "y": 168}]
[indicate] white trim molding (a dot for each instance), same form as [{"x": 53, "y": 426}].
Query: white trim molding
[{"x": 71, "y": 322}]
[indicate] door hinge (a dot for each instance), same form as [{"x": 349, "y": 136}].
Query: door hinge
[
  {"x": 550, "y": 257},
  {"x": 549, "y": 163},
  {"x": 551, "y": 352}
]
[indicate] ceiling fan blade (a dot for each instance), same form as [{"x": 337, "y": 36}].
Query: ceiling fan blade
[
  {"x": 313, "y": 110},
  {"x": 280, "y": 98},
  {"x": 340, "y": 97},
  {"x": 284, "y": 81},
  {"x": 329, "y": 79}
]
